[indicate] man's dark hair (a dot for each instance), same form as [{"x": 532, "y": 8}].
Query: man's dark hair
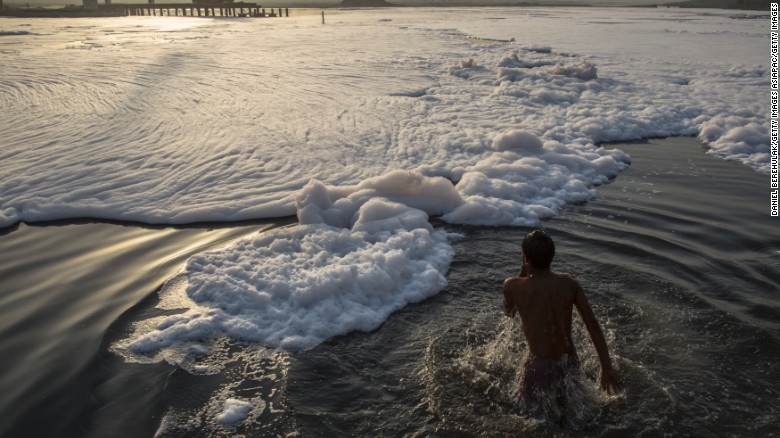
[{"x": 539, "y": 248}]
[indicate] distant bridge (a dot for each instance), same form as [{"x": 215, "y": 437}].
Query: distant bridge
[{"x": 200, "y": 8}]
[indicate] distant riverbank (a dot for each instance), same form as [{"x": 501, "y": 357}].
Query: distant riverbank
[
  {"x": 118, "y": 10},
  {"x": 66, "y": 12}
]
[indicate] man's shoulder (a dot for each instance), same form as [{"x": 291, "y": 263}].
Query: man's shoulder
[
  {"x": 568, "y": 279},
  {"x": 514, "y": 283}
]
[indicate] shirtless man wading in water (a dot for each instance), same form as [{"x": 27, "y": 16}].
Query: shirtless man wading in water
[{"x": 544, "y": 300}]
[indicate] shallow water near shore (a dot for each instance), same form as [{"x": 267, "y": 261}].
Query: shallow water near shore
[
  {"x": 678, "y": 255},
  {"x": 63, "y": 285}
]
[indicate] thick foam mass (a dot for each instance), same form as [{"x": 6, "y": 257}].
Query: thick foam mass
[
  {"x": 234, "y": 412},
  {"x": 296, "y": 287},
  {"x": 339, "y": 206},
  {"x": 527, "y": 181},
  {"x": 739, "y": 138}
]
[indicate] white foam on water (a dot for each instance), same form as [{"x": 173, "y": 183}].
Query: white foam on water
[
  {"x": 363, "y": 137},
  {"x": 526, "y": 180},
  {"x": 295, "y": 287},
  {"x": 234, "y": 411},
  {"x": 154, "y": 124}
]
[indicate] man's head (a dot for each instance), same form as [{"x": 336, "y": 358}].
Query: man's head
[{"x": 538, "y": 249}]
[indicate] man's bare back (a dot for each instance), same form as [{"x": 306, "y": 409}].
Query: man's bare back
[{"x": 545, "y": 300}]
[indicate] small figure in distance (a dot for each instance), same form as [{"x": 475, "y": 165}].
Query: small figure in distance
[{"x": 544, "y": 300}]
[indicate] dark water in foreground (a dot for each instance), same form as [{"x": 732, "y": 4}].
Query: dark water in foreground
[{"x": 679, "y": 257}]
